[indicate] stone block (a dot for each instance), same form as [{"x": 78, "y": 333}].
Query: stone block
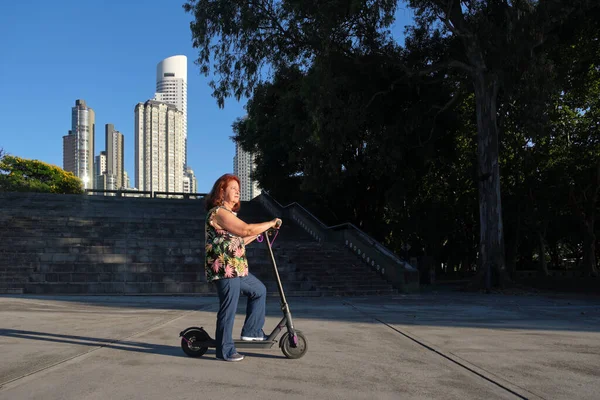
[
  {"x": 118, "y": 250},
  {"x": 158, "y": 287},
  {"x": 35, "y": 277},
  {"x": 80, "y": 267},
  {"x": 95, "y": 288},
  {"x": 119, "y": 277},
  {"x": 86, "y": 258},
  {"x": 70, "y": 288},
  {"x": 64, "y": 257},
  {"x": 45, "y": 257},
  {"x": 143, "y": 277},
  {"x": 142, "y": 259},
  {"x": 114, "y": 259},
  {"x": 96, "y": 249},
  {"x": 131, "y": 288},
  {"x": 193, "y": 260},
  {"x": 141, "y": 268},
  {"x": 77, "y": 277},
  {"x": 129, "y": 276},
  {"x": 114, "y": 287}
]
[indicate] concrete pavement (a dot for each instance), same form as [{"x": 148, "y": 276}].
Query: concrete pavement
[{"x": 429, "y": 346}]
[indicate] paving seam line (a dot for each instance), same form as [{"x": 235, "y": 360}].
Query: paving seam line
[
  {"x": 82, "y": 355},
  {"x": 451, "y": 358}
]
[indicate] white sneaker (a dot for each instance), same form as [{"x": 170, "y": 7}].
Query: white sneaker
[{"x": 264, "y": 338}]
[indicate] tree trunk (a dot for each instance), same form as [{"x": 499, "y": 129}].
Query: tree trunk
[
  {"x": 589, "y": 247},
  {"x": 555, "y": 256},
  {"x": 491, "y": 245},
  {"x": 542, "y": 266},
  {"x": 512, "y": 249},
  {"x": 589, "y": 219}
]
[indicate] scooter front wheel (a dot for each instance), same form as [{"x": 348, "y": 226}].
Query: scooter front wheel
[
  {"x": 288, "y": 348},
  {"x": 189, "y": 342}
]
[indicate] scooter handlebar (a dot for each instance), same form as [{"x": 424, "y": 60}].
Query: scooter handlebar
[{"x": 271, "y": 232}]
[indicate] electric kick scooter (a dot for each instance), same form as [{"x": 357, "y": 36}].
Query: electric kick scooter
[{"x": 196, "y": 341}]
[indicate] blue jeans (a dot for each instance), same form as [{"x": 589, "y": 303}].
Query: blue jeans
[{"x": 229, "y": 291}]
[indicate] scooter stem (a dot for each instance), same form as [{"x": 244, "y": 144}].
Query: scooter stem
[{"x": 284, "y": 305}]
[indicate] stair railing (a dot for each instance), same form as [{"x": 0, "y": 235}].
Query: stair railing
[{"x": 396, "y": 270}]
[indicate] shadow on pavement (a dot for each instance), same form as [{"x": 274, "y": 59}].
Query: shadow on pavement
[{"x": 125, "y": 345}]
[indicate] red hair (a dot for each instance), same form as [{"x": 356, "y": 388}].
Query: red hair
[{"x": 216, "y": 197}]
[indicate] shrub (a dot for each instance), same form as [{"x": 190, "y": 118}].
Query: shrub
[{"x": 23, "y": 175}]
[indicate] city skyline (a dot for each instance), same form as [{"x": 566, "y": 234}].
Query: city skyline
[
  {"x": 60, "y": 52},
  {"x": 159, "y": 140},
  {"x": 112, "y": 70}
]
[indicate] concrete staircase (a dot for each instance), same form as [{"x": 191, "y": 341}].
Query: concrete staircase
[
  {"x": 317, "y": 269},
  {"x": 71, "y": 244}
]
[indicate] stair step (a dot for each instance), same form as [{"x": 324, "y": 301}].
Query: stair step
[
  {"x": 9, "y": 290},
  {"x": 94, "y": 245}
]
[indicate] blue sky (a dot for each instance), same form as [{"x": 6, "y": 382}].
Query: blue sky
[{"x": 104, "y": 52}]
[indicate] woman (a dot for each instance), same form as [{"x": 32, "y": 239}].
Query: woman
[{"x": 227, "y": 266}]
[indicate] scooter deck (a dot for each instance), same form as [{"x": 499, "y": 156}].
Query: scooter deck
[
  {"x": 243, "y": 344},
  {"x": 240, "y": 344}
]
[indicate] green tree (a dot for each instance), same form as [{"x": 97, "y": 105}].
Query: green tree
[
  {"x": 577, "y": 133},
  {"x": 548, "y": 140},
  {"x": 241, "y": 40},
  {"x": 341, "y": 118},
  {"x": 577, "y": 163},
  {"x": 22, "y": 175},
  {"x": 335, "y": 141},
  {"x": 489, "y": 48},
  {"x": 493, "y": 42}
]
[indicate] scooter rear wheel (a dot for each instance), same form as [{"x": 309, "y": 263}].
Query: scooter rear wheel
[
  {"x": 189, "y": 340},
  {"x": 289, "y": 350}
]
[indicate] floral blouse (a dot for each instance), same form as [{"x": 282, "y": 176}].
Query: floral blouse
[{"x": 225, "y": 253}]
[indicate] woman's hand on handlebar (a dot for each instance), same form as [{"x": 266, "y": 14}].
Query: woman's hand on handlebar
[{"x": 277, "y": 223}]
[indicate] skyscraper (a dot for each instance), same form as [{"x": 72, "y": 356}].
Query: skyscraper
[
  {"x": 115, "y": 155},
  {"x": 126, "y": 183},
  {"x": 171, "y": 88},
  {"x": 78, "y": 145},
  {"x": 190, "y": 183},
  {"x": 104, "y": 180},
  {"x": 243, "y": 167},
  {"x": 100, "y": 171},
  {"x": 158, "y": 147}
]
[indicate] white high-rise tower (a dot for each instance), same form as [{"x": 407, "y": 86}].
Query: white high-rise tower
[
  {"x": 243, "y": 166},
  {"x": 171, "y": 88},
  {"x": 158, "y": 147}
]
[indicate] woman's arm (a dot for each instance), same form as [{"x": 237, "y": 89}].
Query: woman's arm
[{"x": 231, "y": 223}]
